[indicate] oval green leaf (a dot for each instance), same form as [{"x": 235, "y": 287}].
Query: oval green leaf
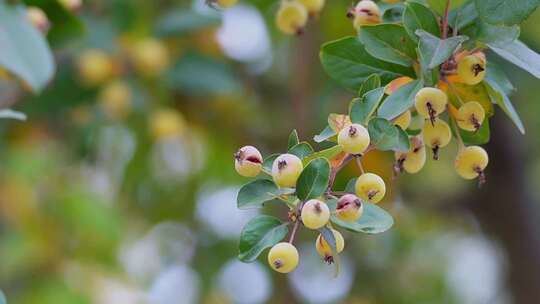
[
  {"x": 254, "y": 194},
  {"x": 261, "y": 232},
  {"x": 400, "y": 101},
  {"x": 374, "y": 220},
  {"x": 293, "y": 139},
  {"x": 388, "y": 42},
  {"x": 313, "y": 181},
  {"x": 361, "y": 109},
  {"x": 302, "y": 150},
  {"x": 418, "y": 17}
]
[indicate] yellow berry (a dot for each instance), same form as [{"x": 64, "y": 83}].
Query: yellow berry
[
  {"x": 349, "y": 208},
  {"x": 436, "y": 135},
  {"x": 403, "y": 120},
  {"x": 366, "y": 12},
  {"x": 95, "y": 67},
  {"x": 283, "y": 257},
  {"x": 286, "y": 169},
  {"x": 315, "y": 214},
  {"x": 313, "y": 6},
  {"x": 471, "y": 69},
  {"x": 115, "y": 100},
  {"x": 248, "y": 161},
  {"x": 325, "y": 250},
  {"x": 470, "y": 116},
  {"x": 430, "y": 102},
  {"x": 354, "y": 139},
  {"x": 166, "y": 123},
  {"x": 38, "y": 18},
  {"x": 150, "y": 57},
  {"x": 226, "y": 3},
  {"x": 471, "y": 162},
  {"x": 370, "y": 187},
  {"x": 413, "y": 160},
  {"x": 291, "y": 17}
]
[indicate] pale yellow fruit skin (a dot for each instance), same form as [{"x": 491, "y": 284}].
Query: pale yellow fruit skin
[
  {"x": 38, "y": 18},
  {"x": 468, "y": 159},
  {"x": 283, "y": 257},
  {"x": 313, "y": 6},
  {"x": 351, "y": 212},
  {"x": 244, "y": 166},
  {"x": 366, "y": 12},
  {"x": 288, "y": 175},
  {"x": 437, "y": 134},
  {"x": 71, "y": 5},
  {"x": 95, "y": 67},
  {"x": 391, "y": 1},
  {"x": 324, "y": 249},
  {"x": 415, "y": 158},
  {"x": 465, "y": 69},
  {"x": 466, "y": 112},
  {"x": 435, "y": 97},
  {"x": 115, "y": 100},
  {"x": 369, "y": 183},
  {"x": 403, "y": 120},
  {"x": 226, "y": 3},
  {"x": 150, "y": 57},
  {"x": 291, "y": 17},
  {"x": 315, "y": 214},
  {"x": 356, "y": 143},
  {"x": 166, "y": 123}
]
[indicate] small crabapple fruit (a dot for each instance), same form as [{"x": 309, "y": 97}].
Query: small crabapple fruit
[
  {"x": 471, "y": 162},
  {"x": 325, "y": 250},
  {"x": 291, "y": 17},
  {"x": 354, "y": 139},
  {"x": 286, "y": 169},
  {"x": 38, "y": 18},
  {"x": 349, "y": 208},
  {"x": 150, "y": 57},
  {"x": 430, "y": 102},
  {"x": 370, "y": 187},
  {"x": 248, "y": 161},
  {"x": 436, "y": 135},
  {"x": 471, "y": 69},
  {"x": 95, "y": 67},
  {"x": 470, "y": 116},
  {"x": 313, "y": 6},
  {"x": 403, "y": 120},
  {"x": 366, "y": 12},
  {"x": 166, "y": 123},
  {"x": 413, "y": 160},
  {"x": 71, "y": 5},
  {"x": 315, "y": 214},
  {"x": 115, "y": 100},
  {"x": 283, "y": 257}
]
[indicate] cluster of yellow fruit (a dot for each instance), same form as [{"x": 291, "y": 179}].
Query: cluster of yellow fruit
[{"x": 292, "y": 15}]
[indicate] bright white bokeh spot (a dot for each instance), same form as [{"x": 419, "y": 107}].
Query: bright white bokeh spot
[
  {"x": 217, "y": 210},
  {"x": 245, "y": 283},
  {"x": 178, "y": 284}
]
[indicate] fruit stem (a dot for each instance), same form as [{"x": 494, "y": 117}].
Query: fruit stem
[
  {"x": 359, "y": 163},
  {"x": 293, "y": 233},
  {"x": 335, "y": 170},
  {"x": 458, "y": 135},
  {"x": 445, "y": 20}
]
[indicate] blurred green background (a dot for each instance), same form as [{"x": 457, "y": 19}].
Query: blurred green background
[{"x": 120, "y": 187}]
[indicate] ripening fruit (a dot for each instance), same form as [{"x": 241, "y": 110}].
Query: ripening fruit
[
  {"x": 370, "y": 187},
  {"x": 403, "y": 120},
  {"x": 471, "y": 69},
  {"x": 248, "y": 161},
  {"x": 354, "y": 139},
  {"x": 95, "y": 67},
  {"x": 291, "y": 17},
  {"x": 325, "y": 250},
  {"x": 150, "y": 57},
  {"x": 225, "y": 3},
  {"x": 38, "y": 18},
  {"x": 436, "y": 135},
  {"x": 166, "y": 123},
  {"x": 313, "y": 6},
  {"x": 470, "y": 116},
  {"x": 283, "y": 257},
  {"x": 471, "y": 162},
  {"x": 115, "y": 100},
  {"x": 315, "y": 214},
  {"x": 391, "y": 1},
  {"x": 71, "y": 5},
  {"x": 366, "y": 12},
  {"x": 430, "y": 102},
  {"x": 286, "y": 169},
  {"x": 349, "y": 208},
  {"x": 413, "y": 160}
]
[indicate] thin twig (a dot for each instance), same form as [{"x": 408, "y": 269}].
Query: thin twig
[
  {"x": 293, "y": 233},
  {"x": 359, "y": 163},
  {"x": 445, "y": 20}
]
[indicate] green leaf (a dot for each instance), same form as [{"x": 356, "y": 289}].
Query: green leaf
[
  {"x": 254, "y": 194},
  {"x": 500, "y": 98},
  {"x": 269, "y": 161},
  {"x": 374, "y": 219},
  {"x": 400, "y": 101},
  {"x": 419, "y": 17},
  {"x": 463, "y": 16},
  {"x": 326, "y": 153},
  {"x": 293, "y": 139},
  {"x": 313, "y": 180},
  {"x": 302, "y": 150},
  {"x": 350, "y": 188},
  {"x": 361, "y": 109},
  {"x": 505, "y": 11},
  {"x": 439, "y": 5},
  {"x": 479, "y": 137},
  {"x": 519, "y": 54},
  {"x": 261, "y": 232},
  {"x": 347, "y": 61},
  {"x": 496, "y": 35},
  {"x": 24, "y": 51},
  {"x": 325, "y": 134},
  {"x": 497, "y": 75},
  {"x": 184, "y": 21},
  {"x": 388, "y": 42},
  {"x": 386, "y": 136},
  {"x": 434, "y": 51},
  {"x": 371, "y": 83},
  {"x": 328, "y": 236},
  {"x": 8, "y": 113}
]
